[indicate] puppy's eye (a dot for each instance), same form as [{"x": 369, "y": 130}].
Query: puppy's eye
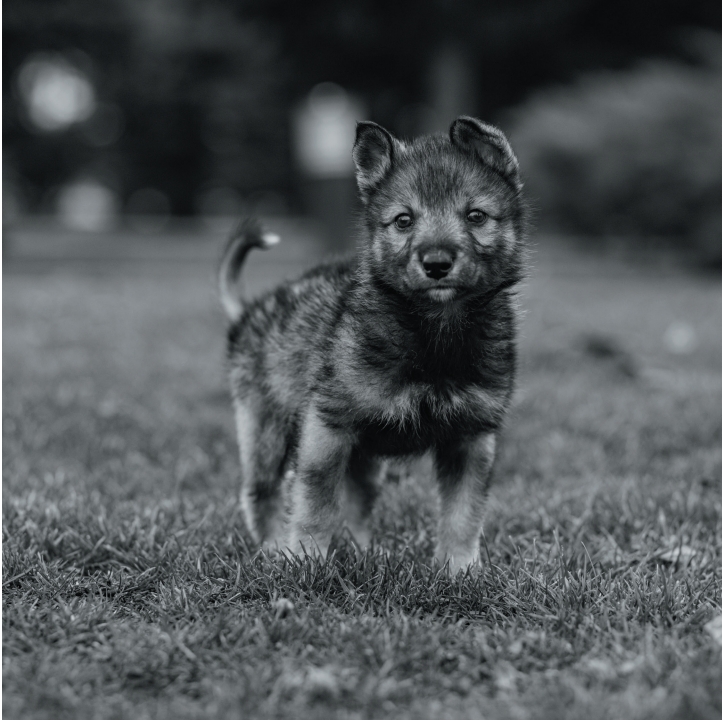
[
  {"x": 477, "y": 216},
  {"x": 403, "y": 221}
]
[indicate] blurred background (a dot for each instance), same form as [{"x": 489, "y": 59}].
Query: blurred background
[
  {"x": 128, "y": 120},
  {"x": 135, "y": 133}
]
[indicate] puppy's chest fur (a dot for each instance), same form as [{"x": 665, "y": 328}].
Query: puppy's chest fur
[
  {"x": 399, "y": 384},
  {"x": 402, "y": 392}
]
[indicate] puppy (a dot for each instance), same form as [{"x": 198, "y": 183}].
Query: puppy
[{"x": 406, "y": 349}]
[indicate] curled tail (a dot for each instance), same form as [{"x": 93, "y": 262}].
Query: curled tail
[{"x": 247, "y": 235}]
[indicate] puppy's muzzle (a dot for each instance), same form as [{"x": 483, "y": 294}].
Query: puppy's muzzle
[{"x": 437, "y": 263}]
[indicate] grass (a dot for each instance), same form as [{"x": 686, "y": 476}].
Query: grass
[{"x": 130, "y": 590}]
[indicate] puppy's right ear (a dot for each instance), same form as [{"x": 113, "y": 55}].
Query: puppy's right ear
[
  {"x": 372, "y": 153},
  {"x": 488, "y": 143}
]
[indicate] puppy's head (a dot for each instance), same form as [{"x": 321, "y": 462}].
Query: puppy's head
[{"x": 444, "y": 214}]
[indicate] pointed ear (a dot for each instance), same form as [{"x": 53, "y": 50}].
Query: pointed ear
[
  {"x": 373, "y": 153},
  {"x": 488, "y": 143}
]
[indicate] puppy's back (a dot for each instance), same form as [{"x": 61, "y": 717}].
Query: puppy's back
[{"x": 278, "y": 344}]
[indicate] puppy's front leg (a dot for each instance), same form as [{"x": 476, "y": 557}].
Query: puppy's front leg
[
  {"x": 463, "y": 472},
  {"x": 322, "y": 457}
]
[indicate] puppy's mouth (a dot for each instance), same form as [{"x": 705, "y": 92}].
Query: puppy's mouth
[{"x": 441, "y": 293}]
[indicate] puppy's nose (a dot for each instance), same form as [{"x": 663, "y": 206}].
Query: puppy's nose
[{"x": 437, "y": 263}]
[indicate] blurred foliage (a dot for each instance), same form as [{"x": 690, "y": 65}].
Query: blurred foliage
[
  {"x": 200, "y": 94},
  {"x": 630, "y": 153},
  {"x": 204, "y": 88}
]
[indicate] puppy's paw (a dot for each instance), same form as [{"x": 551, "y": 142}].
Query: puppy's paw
[
  {"x": 359, "y": 535},
  {"x": 303, "y": 544},
  {"x": 458, "y": 560}
]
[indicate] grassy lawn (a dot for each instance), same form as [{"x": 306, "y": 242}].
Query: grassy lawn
[{"x": 129, "y": 590}]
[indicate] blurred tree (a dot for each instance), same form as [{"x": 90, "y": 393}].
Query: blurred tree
[
  {"x": 94, "y": 37},
  {"x": 201, "y": 89},
  {"x": 200, "y": 92},
  {"x": 207, "y": 98},
  {"x": 390, "y": 51},
  {"x": 630, "y": 153}
]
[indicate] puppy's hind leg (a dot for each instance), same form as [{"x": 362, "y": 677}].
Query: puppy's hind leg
[
  {"x": 262, "y": 450},
  {"x": 361, "y": 488}
]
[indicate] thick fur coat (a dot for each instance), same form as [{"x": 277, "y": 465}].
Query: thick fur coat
[{"x": 406, "y": 349}]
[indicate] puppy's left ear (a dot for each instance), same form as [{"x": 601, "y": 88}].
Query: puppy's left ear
[
  {"x": 373, "y": 154},
  {"x": 488, "y": 143}
]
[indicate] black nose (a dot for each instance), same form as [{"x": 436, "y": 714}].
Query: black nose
[{"x": 437, "y": 263}]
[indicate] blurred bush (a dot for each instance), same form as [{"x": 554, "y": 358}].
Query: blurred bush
[
  {"x": 635, "y": 153},
  {"x": 180, "y": 99}
]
